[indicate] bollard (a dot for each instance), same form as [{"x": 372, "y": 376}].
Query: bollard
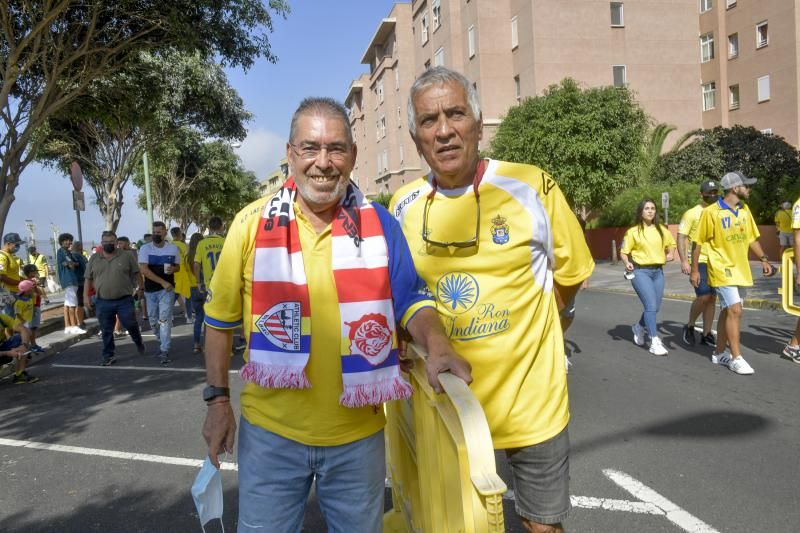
[{"x": 614, "y": 257}]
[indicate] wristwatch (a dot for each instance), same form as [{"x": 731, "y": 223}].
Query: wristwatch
[
  {"x": 764, "y": 258},
  {"x": 211, "y": 392}
]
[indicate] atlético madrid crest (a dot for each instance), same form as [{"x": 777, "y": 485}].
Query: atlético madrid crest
[
  {"x": 499, "y": 230},
  {"x": 371, "y": 338},
  {"x": 281, "y": 325}
]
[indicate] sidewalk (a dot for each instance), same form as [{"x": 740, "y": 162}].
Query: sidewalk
[{"x": 762, "y": 295}]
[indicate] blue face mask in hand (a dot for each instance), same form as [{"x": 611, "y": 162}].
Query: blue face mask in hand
[{"x": 207, "y": 494}]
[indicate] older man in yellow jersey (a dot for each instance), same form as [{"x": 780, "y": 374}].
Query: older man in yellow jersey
[
  {"x": 501, "y": 250},
  {"x": 705, "y": 301},
  {"x": 792, "y": 349},
  {"x": 726, "y": 231},
  {"x": 320, "y": 277}
]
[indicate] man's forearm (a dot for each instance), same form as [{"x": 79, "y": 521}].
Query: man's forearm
[
  {"x": 218, "y": 355},
  {"x": 88, "y": 285},
  {"x": 196, "y": 271},
  {"x": 756, "y": 247},
  {"x": 565, "y": 293},
  {"x": 682, "y": 247},
  {"x": 426, "y": 329},
  {"x": 149, "y": 274},
  {"x": 695, "y": 257}
]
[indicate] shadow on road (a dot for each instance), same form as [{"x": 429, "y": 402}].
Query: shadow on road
[{"x": 709, "y": 424}]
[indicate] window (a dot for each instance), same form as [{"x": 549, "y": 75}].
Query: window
[
  {"x": 763, "y": 89},
  {"x": 516, "y": 88},
  {"x": 380, "y": 90},
  {"x": 762, "y": 34},
  {"x": 617, "y": 17},
  {"x": 438, "y": 58},
  {"x": 706, "y": 5},
  {"x": 733, "y": 97},
  {"x": 733, "y": 45},
  {"x": 383, "y": 126},
  {"x": 385, "y": 160},
  {"x": 436, "y": 7},
  {"x": 402, "y": 154},
  {"x": 471, "y": 41},
  {"x": 620, "y": 76},
  {"x": 706, "y": 47},
  {"x": 399, "y": 118},
  {"x": 767, "y": 131},
  {"x": 709, "y": 96},
  {"x": 378, "y": 130},
  {"x": 514, "y": 33},
  {"x": 396, "y": 79},
  {"x": 424, "y": 24},
  {"x": 730, "y": 3}
]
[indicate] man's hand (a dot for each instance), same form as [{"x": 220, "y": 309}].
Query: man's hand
[
  {"x": 448, "y": 362},
  {"x": 219, "y": 429},
  {"x": 18, "y": 352},
  {"x": 767, "y": 269},
  {"x": 686, "y": 268},
  {"x": 167, "y": 286},
  {"x": 694, "y": 278},
  {"x": 670, "y": 256}
]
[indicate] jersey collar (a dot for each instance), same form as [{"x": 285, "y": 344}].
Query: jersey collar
[{"x": 735, "y": 211}]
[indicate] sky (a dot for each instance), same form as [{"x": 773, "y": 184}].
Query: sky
[{"x": 319, "y": 46}]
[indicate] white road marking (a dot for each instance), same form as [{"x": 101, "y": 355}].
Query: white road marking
[
  {"x": 675, "y": 514},
  {"x": 145, "y": 457},
  {"x": 148, "y": 368},
  {"x": 589, "y": 502}
]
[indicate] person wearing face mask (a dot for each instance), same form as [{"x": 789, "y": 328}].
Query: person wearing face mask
[
  {"x": 113, "y": 274},
  {"x": 10, "y": 266},
  {"x": 726, "y": 231},
  {"x": 158, "y": 261},
  {"x": 646, "y": 247},
  {"x": 705, "y": 301}
]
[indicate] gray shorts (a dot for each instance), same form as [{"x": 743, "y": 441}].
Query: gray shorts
[{"x": 541, "y": 479}]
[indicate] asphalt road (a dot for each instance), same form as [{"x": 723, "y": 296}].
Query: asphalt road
[{"x": 658, "y": 444}]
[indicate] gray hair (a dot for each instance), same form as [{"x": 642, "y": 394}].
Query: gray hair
[
  {"x": 434, "y": 76},
  {"x": 324, "y": 106}
]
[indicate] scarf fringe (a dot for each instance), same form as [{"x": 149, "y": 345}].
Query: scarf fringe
[
  {"x": 375, "y": 393},
  {"x": 275, "y": 376}
]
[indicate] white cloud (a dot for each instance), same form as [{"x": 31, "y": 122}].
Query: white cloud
[{"x": 262, "y": 151}]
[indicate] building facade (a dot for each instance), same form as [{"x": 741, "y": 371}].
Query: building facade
[
  {"x": 748, "y": 63},
  {"x": 512, "y": 49}
]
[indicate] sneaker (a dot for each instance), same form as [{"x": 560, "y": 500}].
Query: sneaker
[
  {"x": 77, "y": 331},
  {"x": 708, "y": 340},
  {"x": 197, "y": 349},
  {"x": 23, "y": 378},
  {"x": 108, "y": 362},
  {"x": 140, "y": 349},
  {"x": 567, "y": 363},
  {"x": 688, "y": 335},
  {"x": 656, "y": 347},
  {"x": 716, "y": 358},
  {"x": 740, "y": 366},
  {"x": 190, "y": 320},
  {"x": 638, "y": 334},
  {"x": 37, "y": 349},
  {"x": 120, "y": 333},
  {"x": 791, "y": 353},
  {"x": 164, "y": 360}
]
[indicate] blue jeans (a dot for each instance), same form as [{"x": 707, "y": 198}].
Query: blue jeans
[
  {"x": 275, "y": 476},
  {"x": 649, "y": 286},
  {"x": 197, "y": 300},
  {"x": 159, "y": 314},
  {"x": 107, "y": 310}
]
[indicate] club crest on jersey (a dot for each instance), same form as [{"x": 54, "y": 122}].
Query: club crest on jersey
[
  {"x": 499, "y": 230},
  {"x": 281, "y": 325},
  {"x": 371, "y": 338}
]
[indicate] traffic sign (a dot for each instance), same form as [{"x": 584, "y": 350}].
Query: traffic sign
[{"x": 664, "y": 200}]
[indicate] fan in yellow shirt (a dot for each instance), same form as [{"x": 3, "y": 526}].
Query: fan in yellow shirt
[
  {"x": 783, "y": 225},
  {"x": 646, "y": 247},
  {"x": 183, "y": 287},
  {"x": 792, "y": 349}
]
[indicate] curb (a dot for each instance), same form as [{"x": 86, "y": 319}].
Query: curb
[
  {"x": 55, "y": 347},
  {"x": 755, "y": 303}
]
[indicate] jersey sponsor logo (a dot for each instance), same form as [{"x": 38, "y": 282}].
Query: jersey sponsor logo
[
  {"x": 796, "y": 214},
  {"x": 547, "y": 184},
  {"x": 457, "y": 291},
  {"x": 281, "y": 325},
  {"x": 404, "y": 202},
  {"x": 371, "y": 338},
  {"x": 499, "y": 230},
  {"x": 209, "y": 296}
]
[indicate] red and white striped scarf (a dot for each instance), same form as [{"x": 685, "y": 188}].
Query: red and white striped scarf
[{"x": 280, "y": 341}]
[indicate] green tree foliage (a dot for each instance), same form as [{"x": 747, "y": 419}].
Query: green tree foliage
[
  {"x": 589, "y": 139},
  {"x": 383, "y": 199},
  {"x": 108, "y": 129},
  {"x": 713, "y": 152},
  {"x": 621, "y": 212},
  {"x": 51, "y": 52},
  {"x": 193, "y": 180}
]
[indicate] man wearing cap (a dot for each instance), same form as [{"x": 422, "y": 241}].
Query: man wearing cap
[
  {"x": 725, "y": 232},
  {"x": 10, "y": 267},
  {"x": 40, "y": 262},
  {"x": 705, "y": 301},
  {"x": 783, "y": 225}
]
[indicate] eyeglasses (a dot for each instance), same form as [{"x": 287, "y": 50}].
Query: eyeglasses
[
  {"x": 457, "y": 244},
  {"x": 309, "y": 152}
]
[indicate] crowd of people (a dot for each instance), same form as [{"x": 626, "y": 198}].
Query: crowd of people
[{"x": 478, "y": 262}]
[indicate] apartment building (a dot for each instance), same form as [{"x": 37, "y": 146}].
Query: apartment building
[
  {"x": 275, "y": 179},
  {"x": 749, "y": 65},
  {"x": 511, "y": 49}
]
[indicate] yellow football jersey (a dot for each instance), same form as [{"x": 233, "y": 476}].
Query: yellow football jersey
[
  {"x": 495, "y": 298},
  {"x": 207, "y": 254},
  {"x": 646, "y": 246},
  {"x": 688, "y": 227},
  {"x": 726, "y": 234}
]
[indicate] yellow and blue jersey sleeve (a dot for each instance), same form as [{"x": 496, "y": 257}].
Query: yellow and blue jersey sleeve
[{"x": 796, "y": 215}]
